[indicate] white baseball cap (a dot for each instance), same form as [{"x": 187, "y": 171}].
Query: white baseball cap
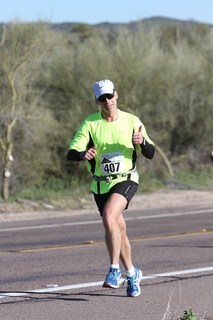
[{"x": 103, "y": 87}]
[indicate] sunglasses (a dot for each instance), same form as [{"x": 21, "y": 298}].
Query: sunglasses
[{"x": 107, "y": 96}]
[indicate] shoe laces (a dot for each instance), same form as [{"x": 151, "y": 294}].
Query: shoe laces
[
  {"x": 131, "y": 281},
  {"x": 114, "y": 273}
]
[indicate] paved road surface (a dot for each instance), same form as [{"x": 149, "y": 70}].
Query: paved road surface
[{"x": 174, "y": 250}]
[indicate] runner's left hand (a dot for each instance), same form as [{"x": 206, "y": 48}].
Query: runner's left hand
[{"x": 137, "y": 137}]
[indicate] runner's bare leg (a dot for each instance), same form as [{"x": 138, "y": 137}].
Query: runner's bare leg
[{"x": 116, "y": 239}]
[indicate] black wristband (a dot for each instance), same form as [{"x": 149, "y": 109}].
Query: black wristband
[{"x": 81, "y": 155}]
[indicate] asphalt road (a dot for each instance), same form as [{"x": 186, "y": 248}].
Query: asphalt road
[{"x": 53, "y": 269}]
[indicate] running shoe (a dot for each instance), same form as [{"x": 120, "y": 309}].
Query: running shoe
[
  {"x": 133, "y": 286},
  {"x": 113, "y": 279}
]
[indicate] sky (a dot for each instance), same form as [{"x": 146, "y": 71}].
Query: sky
[{"x": 97, "y": 11}]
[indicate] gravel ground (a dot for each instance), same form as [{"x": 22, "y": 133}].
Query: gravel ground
[{"x": 28, "y": 210}]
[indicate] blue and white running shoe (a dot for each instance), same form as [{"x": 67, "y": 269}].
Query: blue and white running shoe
[
  {"x": 113, "y": 279},
  {"x": 133, "y": 286}
]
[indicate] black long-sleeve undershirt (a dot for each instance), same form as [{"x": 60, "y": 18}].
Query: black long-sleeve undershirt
[
  {"x": 148, "y": 150},
  {"x": 74, "y": 155}
]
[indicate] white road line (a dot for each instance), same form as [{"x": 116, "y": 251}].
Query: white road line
[
  {"x": 51, "y": 225},
  {"x": 99, "y": 283},
  {"x": 163, "y": 215}
]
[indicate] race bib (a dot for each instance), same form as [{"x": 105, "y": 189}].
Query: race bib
[{"x": 112, "y": 163}]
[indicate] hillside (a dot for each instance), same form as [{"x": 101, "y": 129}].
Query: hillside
[
  {"x": 132, "y": 26},
  {"x": 112, "y": 27}
]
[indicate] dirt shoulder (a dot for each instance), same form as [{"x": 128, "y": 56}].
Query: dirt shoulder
[{"x": 157, "y": 200}]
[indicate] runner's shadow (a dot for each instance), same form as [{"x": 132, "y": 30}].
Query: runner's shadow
[
  {"x": 46, "y": 297},
  {"x": 92, "y": 294},
  {"x": 39, "y": 297}
]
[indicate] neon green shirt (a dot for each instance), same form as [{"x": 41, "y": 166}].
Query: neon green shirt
[{"x": 116, "y": 153}]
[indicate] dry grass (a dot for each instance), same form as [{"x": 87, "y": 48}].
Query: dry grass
[{"x": 169, "y": 315}]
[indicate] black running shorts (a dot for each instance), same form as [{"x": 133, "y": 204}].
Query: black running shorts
[{"x": 126, "y": 188}]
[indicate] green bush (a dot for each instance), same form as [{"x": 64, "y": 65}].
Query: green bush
[{"x": 188, "y": 315}]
